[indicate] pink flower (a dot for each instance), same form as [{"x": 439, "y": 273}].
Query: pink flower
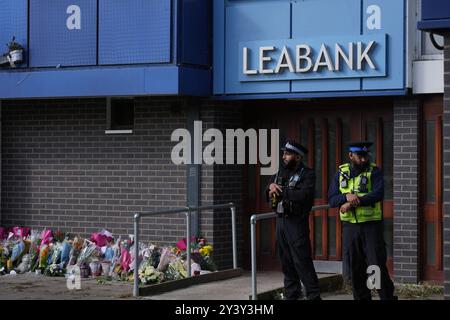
[{"x": 182, "y": 243}]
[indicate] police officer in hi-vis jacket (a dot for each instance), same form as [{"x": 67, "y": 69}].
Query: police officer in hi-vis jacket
[{"x": 357, "y": 190}]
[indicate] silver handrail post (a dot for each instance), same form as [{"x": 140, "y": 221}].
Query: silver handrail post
[
  {"x": 233, "y": 234},
  {"x": 253, "y": 251},
  {"x": 137, "y": 218},
  {"x": 188, "y": 241},
  {"x": 253, "y": 220}
]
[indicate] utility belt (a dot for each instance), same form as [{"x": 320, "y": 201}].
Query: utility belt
[{"x": 290, "y": 208}]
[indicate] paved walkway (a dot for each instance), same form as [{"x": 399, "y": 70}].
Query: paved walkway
[{"x": 31, "y": 286}]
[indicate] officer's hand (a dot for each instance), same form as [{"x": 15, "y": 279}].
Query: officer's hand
[
  {"x": 274, "y": 188},
  {"x": 345, "y": 207},
  {"x": 353, "y": 199}
]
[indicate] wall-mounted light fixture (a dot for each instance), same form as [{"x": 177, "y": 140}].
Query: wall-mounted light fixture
[{"x": 14, "y": 55}]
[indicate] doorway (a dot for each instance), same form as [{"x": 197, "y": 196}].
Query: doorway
[{"x": 324, "y": 128}]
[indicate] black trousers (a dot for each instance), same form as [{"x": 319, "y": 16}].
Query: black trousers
[
  {"x": 294, "y": 251},
  {"x": 365, "y": 246}
]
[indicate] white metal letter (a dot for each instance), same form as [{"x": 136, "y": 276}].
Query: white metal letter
[
  {"x": 245, "y": 62},
  {"x": 340, "y": 53},
  {"x": 284, "y": 56},
  {"x": 263, "y": 59},
  {"x": 300, "y": 57},
  {"x": 323, "y": 53},
  {"x": 364, "y": 55}
]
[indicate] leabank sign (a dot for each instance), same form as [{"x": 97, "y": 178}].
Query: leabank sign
[
  {"x": 326, "y": 58},
  {"x": 310, "y": 48}
]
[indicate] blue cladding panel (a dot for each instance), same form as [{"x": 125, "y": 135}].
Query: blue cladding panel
[
  {"x": 392, "y": 23},
  {"x": 314, "y": 19},
  {"x": 219, "y": 47},
  {"x": 53, "y": 43},
  {"x": 90, "y": 82},
  {"x": 134, "y": 31},
  {"x": 196, "y": 32},
  {"x": 258, "y": 21},
  {"x": 13, "y": 22},
  {"x": 435, "y": 9}
]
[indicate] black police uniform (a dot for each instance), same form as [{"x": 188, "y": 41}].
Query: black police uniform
[
  {"x": 292, "y": 229},
  {"x": 363, "y": 243}
]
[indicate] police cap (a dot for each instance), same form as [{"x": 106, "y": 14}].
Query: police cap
[
  {"x": 360, "y": 147},
  {"x": 294, "y": 147}
]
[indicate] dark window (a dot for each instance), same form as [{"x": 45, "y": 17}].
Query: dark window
[
  {"x": 431, "y": 243},
  {"x": 121, "y": 114}
]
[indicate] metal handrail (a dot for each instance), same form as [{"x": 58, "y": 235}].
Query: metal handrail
[
  {"x": 253, "y": 220},
  {"x": 187, "y": 211}
]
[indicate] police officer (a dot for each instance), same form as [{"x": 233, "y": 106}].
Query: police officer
[
  {"x": 357, "y": 190},
  {"x": 291, "y": 193}
]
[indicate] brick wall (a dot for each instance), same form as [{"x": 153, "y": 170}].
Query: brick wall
[
  {"x": 60, "y": 170},
  {"x": 406, "y": 189},
  {"x": 222, "y": 184},
  {"x": 446, "y": 168}
]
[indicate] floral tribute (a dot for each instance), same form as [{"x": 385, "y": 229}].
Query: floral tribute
[{"x": 51, "y": 252}]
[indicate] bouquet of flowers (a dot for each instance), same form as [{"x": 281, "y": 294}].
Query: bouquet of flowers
[
  {"x": 46, "y": 237},
  {"x": 175, "y": 270},
  {"x": 34, "y": 249},
  {"x": 149, "y": 274},
  {"x": 87, "y": 252},
  {"x": 201, "y": 252},
  {"x": 206, "y": 262},
  {"x": 43, "y": 255},
  {"x": 17, "y": 251},
  {"x": 54, "y": 270},
  {"x": 115, "y": 260},
  {"x": 66, "y": 248},
  {"x": 152, "y": 254},
  {"x": 77, "y": 245}
]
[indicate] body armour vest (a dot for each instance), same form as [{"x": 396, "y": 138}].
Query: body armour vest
[{"x": 359, "y": 185}]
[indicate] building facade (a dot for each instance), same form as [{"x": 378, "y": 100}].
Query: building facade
[
  {"x": 87, "y": 117},
  {"x": 329, "y": 72},
  {"x": 436, "y": 20}
]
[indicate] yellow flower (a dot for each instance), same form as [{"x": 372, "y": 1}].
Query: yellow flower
[{"x": 206, "y": 250}]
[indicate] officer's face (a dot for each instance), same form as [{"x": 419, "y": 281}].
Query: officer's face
[
  {"x": 290, "y": 158},
  {"x": 359, "y": 159}
]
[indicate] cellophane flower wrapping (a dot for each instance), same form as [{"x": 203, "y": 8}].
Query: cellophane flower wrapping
[
  {"x": 77, "y": 245},
  {"x": 43, "y": 255},
  {"x": 66, "y": 247},
  {"x": 175, "y": 270},
  {"x": 34, "y": 249},
  {"x": 87, "y": 252}
]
